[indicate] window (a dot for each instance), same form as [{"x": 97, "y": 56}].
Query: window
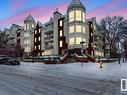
[
  {"x": 84, "y": 40},
  {"x": 27, "y": 49},
  {"x": 78, "y": 40},
  {"x": 78, "y": 15},
  {"x": 61, "y": 33},
  {"x": 71, "y": 16},
  {"x": 71, "y": 29},
  {"x": 39, "y": 38},
  {"x": 83, "y": 29},
  {"x": 61, "y": 23},
  {"x": 35, "y": 31},
  {"x": 28, "y": 27},
  {"x": 78, "y": 28},
  {"x": 72, "y": 41},
  {"x": 26, "y": 35},
  {"x": 27, "y": 42},
  {"x": 91, "y": 34},
  {"x": 83, "y": 16},
  {"x": 35, "y": 39},
  {"x": 39, "y": 30},
  {"x": 32, "y": 25},
  {"x": 24, "y": 41},
  {"x": 35, "y": 47},
  {"x": 61, "y": 43},
  {"x": 39, "y": 47},
  {"x": 47, "y": 52}
]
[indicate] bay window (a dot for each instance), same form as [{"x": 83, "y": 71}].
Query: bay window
[
  {"x": 71, "y": 16},
  {"x": 78, "y": 40},
  {"x": 78, "y": 28},
  {"x": 78, "y": 15},
  {"x": 72, "y": 41},
  {"x": 71, "y": 29}
]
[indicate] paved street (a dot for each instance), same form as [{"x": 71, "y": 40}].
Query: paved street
[{"x": 67, "y": 79}]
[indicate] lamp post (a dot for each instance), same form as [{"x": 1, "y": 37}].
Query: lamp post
[{"x": 82, "y": 43}]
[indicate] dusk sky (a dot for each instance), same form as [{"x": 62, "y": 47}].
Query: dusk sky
[{"x": 15, "y": 11}]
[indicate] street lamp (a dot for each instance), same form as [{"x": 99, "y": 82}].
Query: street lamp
[{"x": 82, "y": 43}]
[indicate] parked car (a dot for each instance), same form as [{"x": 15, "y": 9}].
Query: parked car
[{"x": 8, "y": 60}]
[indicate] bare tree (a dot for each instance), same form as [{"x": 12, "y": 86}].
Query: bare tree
[{"x": 115, "y": 29}]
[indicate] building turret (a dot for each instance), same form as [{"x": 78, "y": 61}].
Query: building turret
[
  {"x": 76, "y": 20},
  {"x": 29, "y": 23}
]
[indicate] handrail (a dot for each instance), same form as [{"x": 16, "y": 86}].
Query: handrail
[{"x": 64, "y": 58}]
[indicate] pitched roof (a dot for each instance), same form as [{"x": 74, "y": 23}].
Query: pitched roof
[
  {"x": 76, "y": 3},
  {"x": 29, "y": 18},
  {"x": 39, "y": 24}
]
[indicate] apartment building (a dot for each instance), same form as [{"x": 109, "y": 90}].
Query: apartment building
[
  {"x": 61, "y": 34},
  {"x": 11, "y": 35}
]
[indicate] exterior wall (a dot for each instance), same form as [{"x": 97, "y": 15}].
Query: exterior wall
[
  {"x": 37, "y": 40},
  {"x": 61, "y": 37},
  {"x": 55, "y": 32}
]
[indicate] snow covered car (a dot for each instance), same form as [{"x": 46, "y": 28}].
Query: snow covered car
[{"x": 9, "y": 61}]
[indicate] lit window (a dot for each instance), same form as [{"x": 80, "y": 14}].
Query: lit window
[
  {"x": 28, "y": 27},
  {"x": 78, "y": 28},
  {"x": 91, "y": 34},
  {"x": 78, "y": 40},
  {"x": 61, "y": 23},
  {"x": 71, "y": 16},
  {"x": 83, "y": 17},
  {"x": 39, "y": 38},
  {"x": 35, "y": 39},
  {"x": 84, "y": 29},
  {"x": 26, "y": 35},
  {"x": 61, "y": 43},
  {"x": 72, "y": 41},
  {"x": 61, "y": 33},
  {"x": 27, "y": 49},
  {"x": 35, "y": 31},
  {"x": 39, "y": 30},
  {"x": 32, "y": 25},
  {"x": 46, "y": 52},
  {"x": 27, "y": 41},
  {"x": 84, "y": 40},
  {"x": 35, "y": 47},
  {"x": 71, "y": 29},
  {"x": 78, "y": 15},
  {"x": 39, "y": 47}
]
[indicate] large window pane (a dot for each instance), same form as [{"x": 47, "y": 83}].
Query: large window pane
[
  {"x": 84, "y": 17},
  {"x": 72, "y": 41},
  {"x": 84, "y": 29},
  {"x": 78, "y": 28},
  {"x": 71, "y": 16},
  {"x": 78, "y": 40},
  {"x": 71, "y": 29},
  {"x": 78, "y": 15}
]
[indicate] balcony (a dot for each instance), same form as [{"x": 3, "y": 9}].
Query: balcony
[
  {"x": 49, "y": 46},
  {"x": 49, "y": 30},
  {"x": 48, "y": 37}
]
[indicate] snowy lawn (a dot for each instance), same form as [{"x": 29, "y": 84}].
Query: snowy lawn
[{"x": 64, "y": 79}]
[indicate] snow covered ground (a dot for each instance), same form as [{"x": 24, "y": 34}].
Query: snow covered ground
[{"x": 65, "y": 79}]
